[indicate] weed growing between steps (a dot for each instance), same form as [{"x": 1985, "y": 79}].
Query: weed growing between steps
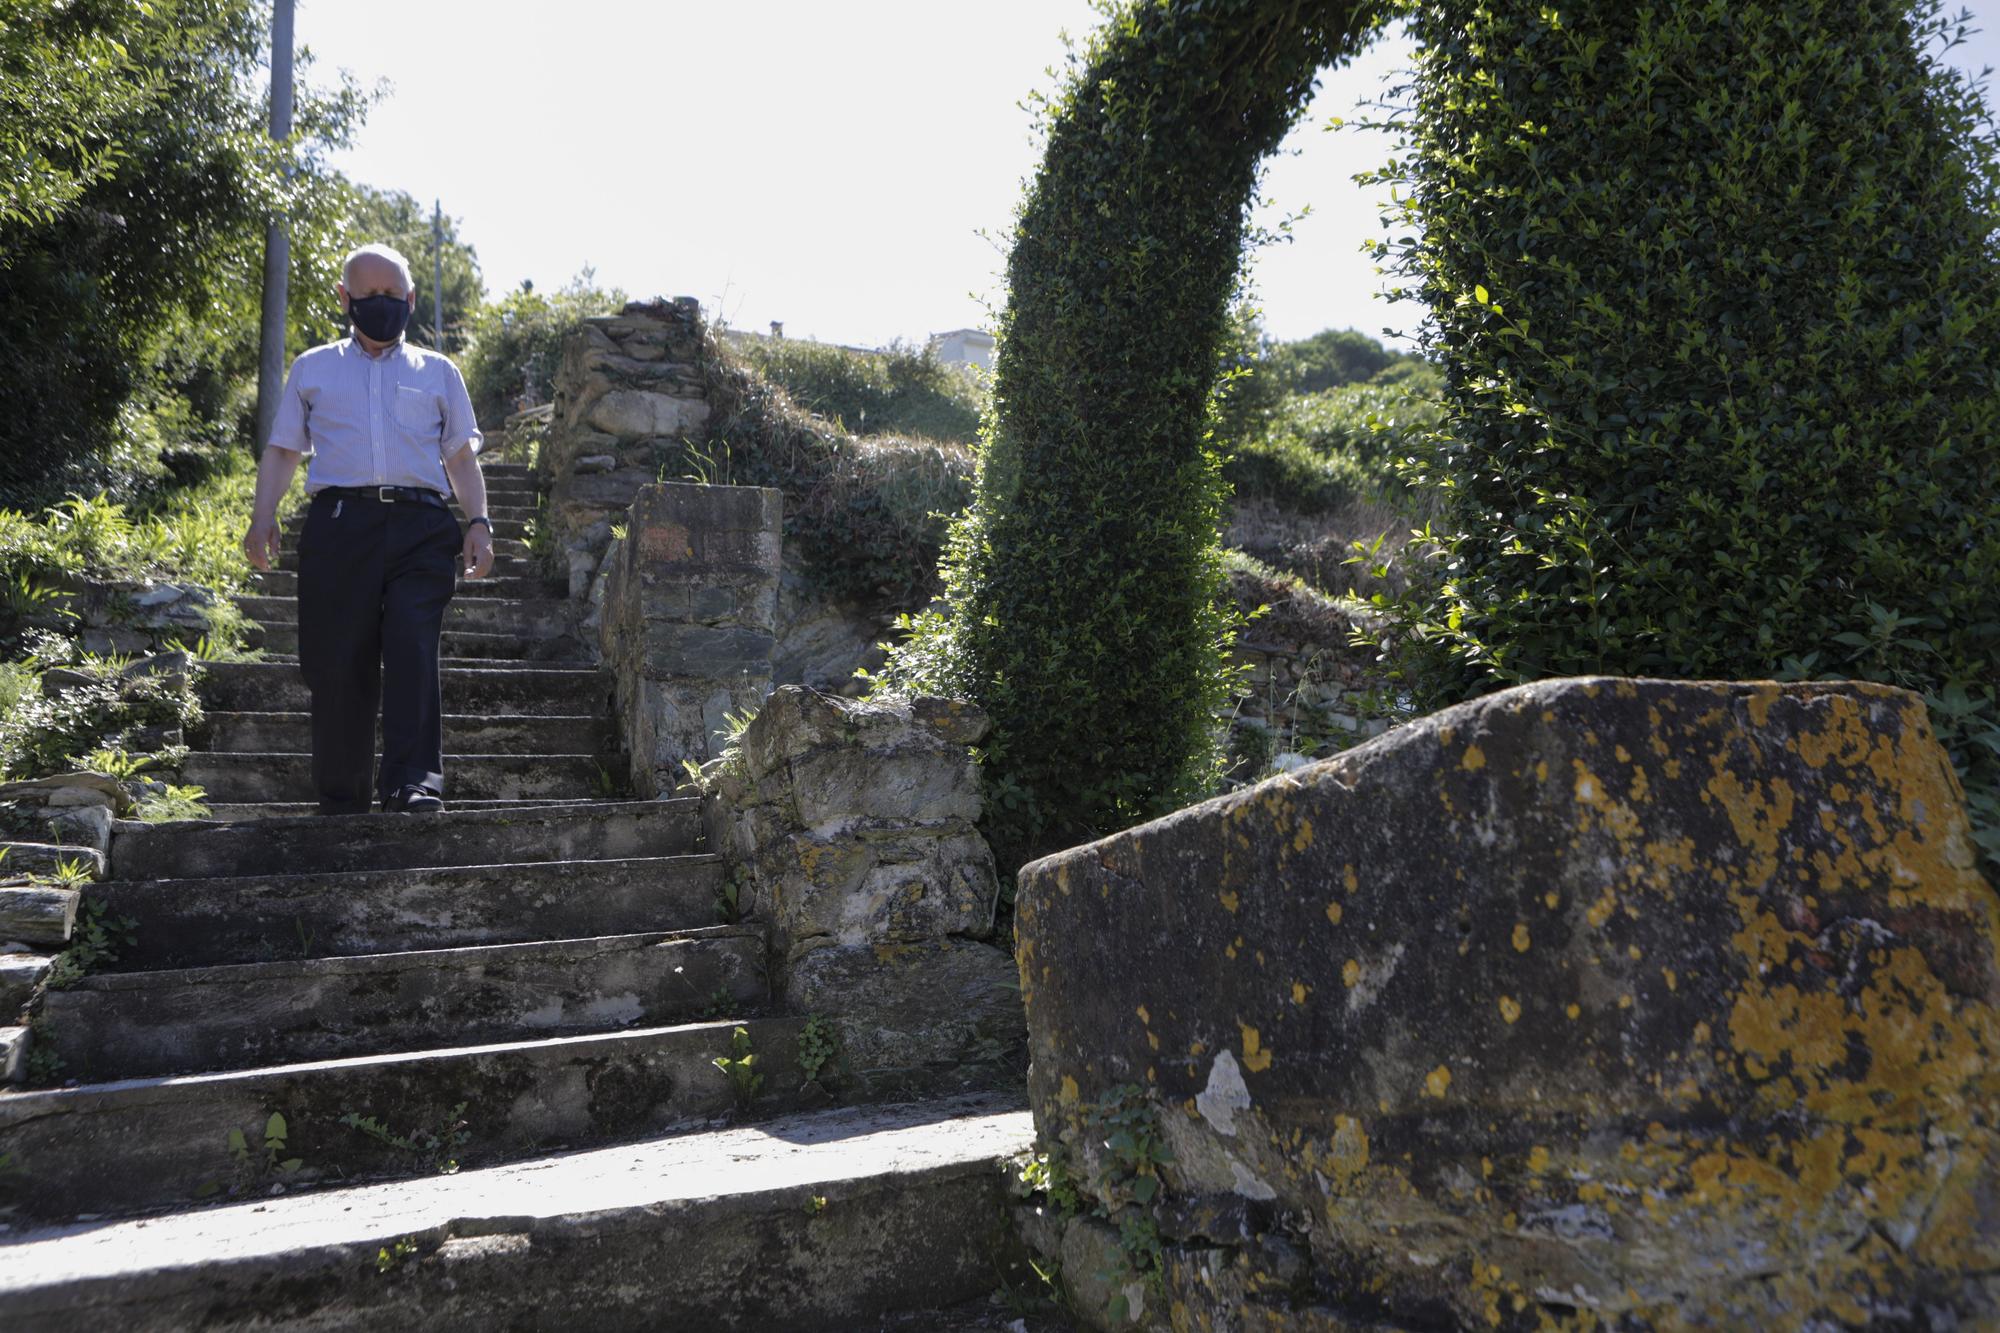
[
  {"x": 436, "y": 1147},
  {"x": 819, "y": 1052},
  {"x": 251, "y": 1169},
  {"x": 739, "y": 1068}
]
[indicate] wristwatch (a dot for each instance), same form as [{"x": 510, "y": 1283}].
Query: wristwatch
[{"x": 481, "y": 518}]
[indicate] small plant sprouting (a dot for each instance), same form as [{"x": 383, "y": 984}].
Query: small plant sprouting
[
  {"x": 97, "y": 940},
  {"x": 1047, "y": 1175},
  {"x": 438, "y": 1147},
  {"x": 391, "y": 1257},
  {"x": 819, "y": 1048},
  {"x": 251, "y": 1164},
  {"x": 739, "y": 1067},
  {"x": 729, "y": 895},
  {"x": 815, "y": 1205}
]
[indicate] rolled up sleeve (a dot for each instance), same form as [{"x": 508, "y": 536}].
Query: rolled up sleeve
[
  {"x": 288, "y": 426},
  {"x": 460, "y": 428}
]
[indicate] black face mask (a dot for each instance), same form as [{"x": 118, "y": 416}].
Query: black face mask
[{"x": 380, "y": 317}]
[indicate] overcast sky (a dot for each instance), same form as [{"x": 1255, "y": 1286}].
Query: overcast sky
[{"x": 829, "y": 165}]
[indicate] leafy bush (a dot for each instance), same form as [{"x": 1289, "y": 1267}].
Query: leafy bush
[
  {"x": 41, "y": 735},
  {"x": 1323, "y": 450},
  {"x": 1717, "y": 294},
  {"x": 1084, "y": 585},
  {"x": 127, "y": 249},
  {"x": 516, "y": 342},
  {"x": 868, "y": 516},
  {"x": 902, "y": 391}
]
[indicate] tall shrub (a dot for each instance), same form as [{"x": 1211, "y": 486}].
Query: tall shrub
[
  {"x": 1083, "y": 585},
  {"x": 1716, "y": 294}
]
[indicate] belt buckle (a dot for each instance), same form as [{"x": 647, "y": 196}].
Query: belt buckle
[{"x": 382, "y": 493}]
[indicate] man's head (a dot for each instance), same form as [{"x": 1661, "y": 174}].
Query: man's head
[{"x": 376, "y": 292}]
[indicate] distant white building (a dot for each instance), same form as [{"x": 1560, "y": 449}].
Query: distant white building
[{"x": 965, "y": 347}]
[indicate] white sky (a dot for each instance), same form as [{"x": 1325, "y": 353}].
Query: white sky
[{"x": 829, "y": 165}]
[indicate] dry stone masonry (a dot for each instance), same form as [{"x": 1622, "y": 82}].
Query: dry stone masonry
[
  {"x": 689, "y": 597},
  {"x": 1595, "y": 1003},
  {"x": 857, "y": 827}
]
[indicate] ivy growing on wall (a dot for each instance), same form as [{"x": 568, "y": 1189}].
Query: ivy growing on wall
[
  {"x": 1083, "y": 586},
  {"x": 1716, "y": 294}
]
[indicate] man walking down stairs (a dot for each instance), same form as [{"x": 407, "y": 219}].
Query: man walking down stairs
[{"x": 497, "y": 1067}]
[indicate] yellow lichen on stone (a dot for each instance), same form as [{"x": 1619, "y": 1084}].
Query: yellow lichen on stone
[
  {"x": 1299, "y": 992},
  {"x": 1256, "y": 1055},
  {"x": 1521, "y": 938},
  {"x": 1333, "y": 913},
  {"x": 1145, "y": 1015},
  {"x": 1438, "y": 1082},
  {"x": 1229, "y": 900},
  {"x": 1350, "y": 973},
  {"x": 1510, "y": 1009},
  {"x": 1473, "y": 759}
]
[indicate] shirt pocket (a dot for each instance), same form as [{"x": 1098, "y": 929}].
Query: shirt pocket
[{"x": 418, "y": 410}]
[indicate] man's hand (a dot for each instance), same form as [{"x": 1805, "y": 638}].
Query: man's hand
[
  {"x": 478, "y": 551},
  {"x": 260, "y": 543}
]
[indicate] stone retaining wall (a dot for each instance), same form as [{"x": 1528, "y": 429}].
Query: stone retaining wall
[
  {"x": 1592, "y": 1003},
  {"x": 854, "y": 828}
]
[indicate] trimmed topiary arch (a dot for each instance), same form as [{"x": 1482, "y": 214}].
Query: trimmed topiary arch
[{"x": 1715, "y": 291}]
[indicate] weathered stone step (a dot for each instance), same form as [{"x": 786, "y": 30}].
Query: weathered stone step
[
  {"x": 285, "y": 583},
  {"x": 472, "y": 733},
  {"x": 515, "y": 834},
  {"x": 288, "y": 777},
  {"x": 234, "y": 812},
  {"x": 239, "y": 1016},
  {"x": 541, "y": 617},
  {"x": 521, "y": 472},
  {"x": 824, "y": 1220},
  {"x": 199, "y": 921},
  {"x": 165, "y": 1142},
  {"x": 525, "y": 647},
  {"x": 275, "y": 687}
]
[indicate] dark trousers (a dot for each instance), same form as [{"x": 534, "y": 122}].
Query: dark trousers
[{"x": 374, "y": 580}]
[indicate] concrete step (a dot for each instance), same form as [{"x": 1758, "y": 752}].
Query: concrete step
[
  {"x": 285, "y": 583},
  {"x": 275, "y": 687},
  {"x": 165, "y": 1142},
  {"x": 284, "y": 639},
  {"x": 288, "y": 777},
  {"x": 246, "y": 918},
  {"x": 474, "y": 733},
  {"x": 824, "y": 1220},
  {"x": 541, "y": 617},
  {"x": 232, "y": 812},
  {"x": 240, "y": 1016}
]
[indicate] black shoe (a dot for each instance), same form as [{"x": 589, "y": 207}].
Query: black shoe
[{"x": 413, "y": 800}]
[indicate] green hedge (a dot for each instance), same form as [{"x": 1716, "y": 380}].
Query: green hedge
[
  {"x": 1322, "y": 451},
  {"x": 899, "y": 391},
  {"x": 1716, "y": 291},
  {"x": 1084, "y": 585}
]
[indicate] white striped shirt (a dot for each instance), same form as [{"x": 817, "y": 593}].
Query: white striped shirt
[{"x": 387, "y": 420}]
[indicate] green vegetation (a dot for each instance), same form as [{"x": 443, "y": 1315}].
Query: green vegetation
[
  {"x": 1719, "y": 307},
  {"x": 99, "y": 706},
  {"x": 517, "y": 341},
  {"x": 1084, "y": 585},
  {"x": 900, "y": 391},
  {"x": 136, "y": 181},
  {"x": 1321, "y": 450},
  {"x": 867, "y": 515}
]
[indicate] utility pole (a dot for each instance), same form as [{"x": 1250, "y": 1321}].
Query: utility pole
[
  {"x": 277, "y": 244},
  {"x": 437, "y": 270}
]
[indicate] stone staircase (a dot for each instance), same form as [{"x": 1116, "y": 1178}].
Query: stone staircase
[{"x": 381, "y": 1070}]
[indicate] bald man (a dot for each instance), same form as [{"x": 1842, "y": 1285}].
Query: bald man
[{"x": 387, "y": 427}]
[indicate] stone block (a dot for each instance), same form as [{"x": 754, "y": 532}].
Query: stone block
[
  {"x": 938, "y": 1012},
  {"x": 712, "y": 508},
  {"x": 1590, "y": 987},
  {"x": 636, "y": 412},
  {"x": 714, "y": 651},
  {"x": 895, "y": 891}
]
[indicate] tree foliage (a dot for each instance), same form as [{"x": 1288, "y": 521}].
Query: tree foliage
[
  {"x": 1083, "y": 586},
  {"x": 139, "y": 180},
  {"x": 1715, "y": 288},
  {"x": 901, "y": 390}
]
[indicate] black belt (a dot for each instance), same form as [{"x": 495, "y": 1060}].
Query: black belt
[{"x": 386, "y": 494}]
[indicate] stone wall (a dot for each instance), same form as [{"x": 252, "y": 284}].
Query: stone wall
[
  {"x": 627, "y": 391},
  {"x": 855, "y": 830},
  {"x": 688, "y": 602},
  {"x": 1594, "y": 1003}
]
